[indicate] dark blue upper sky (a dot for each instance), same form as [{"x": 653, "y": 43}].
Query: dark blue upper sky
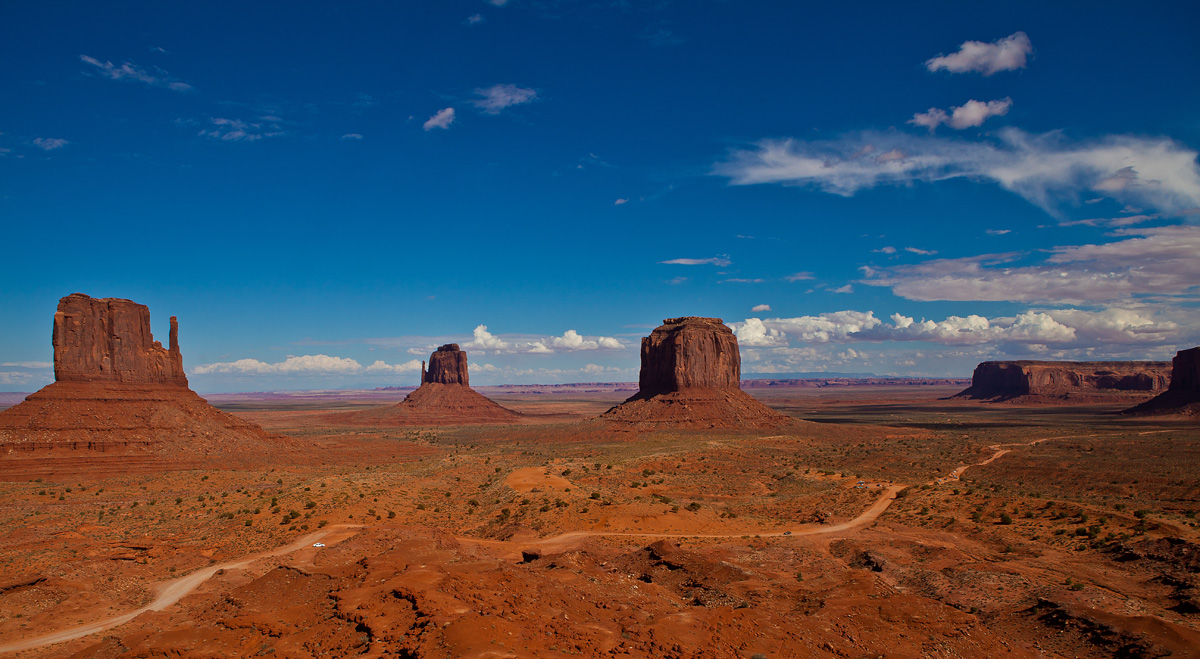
[{"x": 323, "y": 191}]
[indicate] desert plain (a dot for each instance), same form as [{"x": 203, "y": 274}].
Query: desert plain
[{"x": 882, "y": 521}]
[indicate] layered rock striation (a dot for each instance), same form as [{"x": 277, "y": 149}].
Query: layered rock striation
[
  {"x": 690, "y": 376},
  {"x": 118, "y": 392},
  {"x": 109, "y": 340},
  {"x": 447, "y": 365},
  {"x": 1183, "y": 396},
  {"x": 1050, "y": 380},
  {"x": 444, "y": 398}
]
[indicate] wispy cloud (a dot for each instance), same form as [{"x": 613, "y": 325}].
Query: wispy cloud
[
  {"x": 352, "y": 136},
  {"x": 738, "y": 280},
  {"x": 800, "y": 276},
  {"x": 1160, "y": 262},
  {"x": 922, "y": 252},
  {"x": 1007, "y": 54},
  {"x": 720, "y": 260},
  {"x": 997, "y": 232},
  {"x": 238, "y": 130},
  {"x": 49, "y": 143},
  {"x": 442, "y": 119},
  {"x": 759, "y": 308},
  {"x": 620, "y": 201},
  {"x": 497, "y": 97},
  {"x": 475, "y": 19},
  {"x": 304, "y": 365},
  {"x": 968, "y": 115},
  {"x": 134, "y": 73},
  {"x": 1047, "y": 170}
]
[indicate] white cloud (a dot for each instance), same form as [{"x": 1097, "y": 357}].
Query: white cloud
[
  {"x": 760, "y": 308},
  {"x": 675, "y": 281},
  {"x": 442, "y": 119},
  {"x": 620, "y": 201},
  {"x": 1007, "y": 54},
  {"x": 497, "y": 3},
  {"x": 1064, "y": 327},
  {"x": 130, "y": 71},
  {"x": 969, "y": 115},
  {"x": 474, "y": 19},
  {"x": 742, "y": 280},
  {"x": 885, "y": 250},
  {"x": 752, "y": 332},
  {"x": 922, "y": 252},
  {"x": 848, "y": 288},
  {"x": 720, "y": 261},
  {"x": 485, "y": 340},
  {"x": 301, "y": 364},
  {"x": 497, "y": 97},
  {"x": 49, "y": 143},
  {"x": 997, "y": 232},
  {"x": 1047, "y": 170},
  {"x": 352, "y": 136},
  {"x": 379, "y": 366},
  {"x": 27, "y": 365},
  {"x": 800, "y": 276},
  {"x": 1150, "y": 261}
]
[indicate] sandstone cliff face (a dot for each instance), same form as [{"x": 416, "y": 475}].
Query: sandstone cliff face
[
  {"x": 121, "y": 399},
  {"x": 1007, "y": 380},
  {"x": 109, "y": 340},
  {"x": 691, "y": 371},
  {"x": 689, "y": 352},
  {"x": 447, "y": 365},
  {"x": 1183, "y": 396}
]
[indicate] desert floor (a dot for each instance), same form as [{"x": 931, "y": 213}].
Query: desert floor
[{"x": 883, "y": 522}]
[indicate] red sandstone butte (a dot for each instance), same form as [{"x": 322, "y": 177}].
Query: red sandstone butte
[
  {"x": 117, "y": 393},
  {"x": 447, "y": 365},
  {"x": 444, "y": 398},
  {"x": 691, "y": 370},
  {"x": 1183, "y": 396},
  {"x": 1033, "y": 381}
]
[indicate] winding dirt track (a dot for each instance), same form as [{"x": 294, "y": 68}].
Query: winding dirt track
[{"x": 170, "y": 592}]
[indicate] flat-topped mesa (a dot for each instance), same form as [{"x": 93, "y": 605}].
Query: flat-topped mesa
[
  {"x": 109, "y": 340},
  {"x": 1183, "y": 396},
  {"x": 447, "y": 365},
  {"x": 1050, "y": 379},
  {"x": 688, "y": 353},
  {"x": 691, "y": 371}
]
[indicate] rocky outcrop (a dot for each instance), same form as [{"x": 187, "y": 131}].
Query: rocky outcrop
[
  {"x": 444, "y": 398},
  {"x": 109, "y": 340},
  {"x": 447, "y": 365},
  {"x": 119, "y": 395},
  {"x": 689, "y": 352},
  {"x": 1033, "y": 380},
  {"x": 1183, "y": 396},
  {"x": 690, "y": 376}
]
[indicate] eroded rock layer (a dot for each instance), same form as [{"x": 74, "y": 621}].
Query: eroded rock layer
[
  {"x": 447, "y": 365},
  {"x": 444, "y": 398},
  {"x": 1183, "y": 396},
  {"x": 1067, "y": 380},
  {"x": 109, "y": 340},
  {"x": 690, "y": 376},
  {"x": 118, "y": 394}
]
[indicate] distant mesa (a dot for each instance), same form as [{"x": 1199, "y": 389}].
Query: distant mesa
[
  {"x": 1183, "y": 396},
  {"x": 690, "y": 376},
  {"x": 118, "y": 391},
  {"x": 1050, "y": 381},
  {"x": 444, "y": 398}
]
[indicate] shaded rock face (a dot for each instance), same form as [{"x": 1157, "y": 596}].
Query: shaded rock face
[
  {"x": 1183, "y": 396},
  {"x": 447, "y": 365},
  {"x": 691, "y": 371},
  {"x": 109, "y": 340},
  {"x": 1005, "y": 380},
  {"x": 689, "y": 352}
]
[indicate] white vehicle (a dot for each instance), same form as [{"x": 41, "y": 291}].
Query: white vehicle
[{"x": 318, "y": 544}]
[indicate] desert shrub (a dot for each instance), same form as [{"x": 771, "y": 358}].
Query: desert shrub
[
  {"x": 693, "y": 506},
  {"x": 391, "y": 514},
  {"x": 1005, "y": 518}
]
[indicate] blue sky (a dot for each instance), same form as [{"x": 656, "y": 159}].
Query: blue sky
[{"x": 323, "y": 192}]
